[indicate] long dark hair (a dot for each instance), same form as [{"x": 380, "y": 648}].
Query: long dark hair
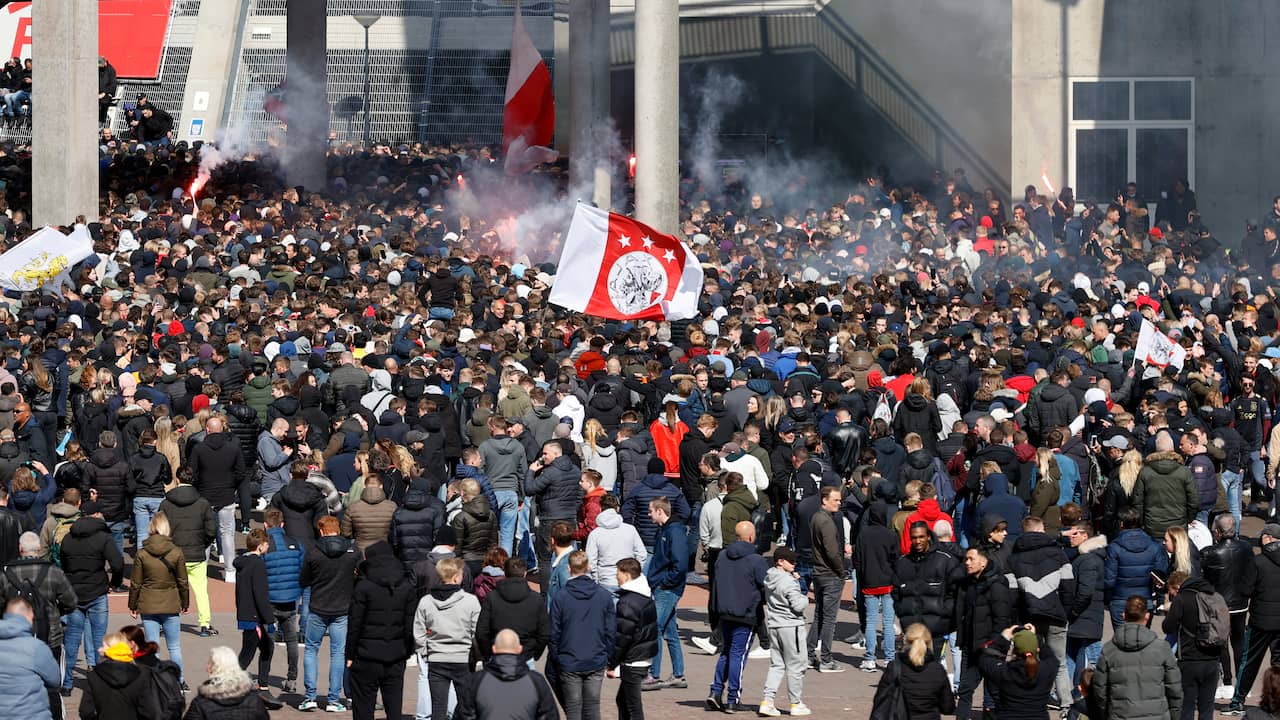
[{"x": 1270, "y": 701}]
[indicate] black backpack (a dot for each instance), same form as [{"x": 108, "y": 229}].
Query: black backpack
[
  {"x": 30, "y": 591},
  {"x": 166, "y": 691}
]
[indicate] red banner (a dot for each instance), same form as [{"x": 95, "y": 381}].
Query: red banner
[{"x": 130, "y": 34}]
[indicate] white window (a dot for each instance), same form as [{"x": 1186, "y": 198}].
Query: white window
[{"x": 1130, "y": 129}]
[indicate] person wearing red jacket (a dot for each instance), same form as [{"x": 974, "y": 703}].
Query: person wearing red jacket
[
  {"x": 590, "y": 507},
  {"x": 927, "y": 512}
]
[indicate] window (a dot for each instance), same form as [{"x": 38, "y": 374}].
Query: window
[{"x": 1130, "y": 129}]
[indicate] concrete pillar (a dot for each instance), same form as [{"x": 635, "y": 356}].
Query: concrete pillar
[
  {"x": 560, "y": 75},
  {"x": 217, "y": 32},
  {"x": 308, "y": 106},
  {"x": 657, "y": 100},
  {"x": 591, "y": 161},
  {"x": 64, "y": 49}
]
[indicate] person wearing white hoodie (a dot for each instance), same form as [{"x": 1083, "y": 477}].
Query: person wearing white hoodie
[
  {"x": 636, "y": 640},
  {"x": 378, "y": 399},
  {"x": 571, "y": 407},
  {"x": 784, "y": 610},
  {"x": 444, "y": 629},
  {"x": 611, "y": 541},
  {"x": 754, "y": 477}
]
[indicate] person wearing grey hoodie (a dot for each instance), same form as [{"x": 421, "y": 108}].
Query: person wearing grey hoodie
[
  {"x": 784, "y": 610},
  {"x": 611, "y": 541},
  {"x": 444, "y": 629},
  {"x": 506, "y": 465}
]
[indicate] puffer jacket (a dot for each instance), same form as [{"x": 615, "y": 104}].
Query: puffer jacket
[
  {"x": 368, "y": 520},
  {"x": 27, "y": 668},
  {"x": 1137, "y": 677},
  {"x": 997, "y": 501},
  {"x": 1165, "y": 494},
  {"x": 1055, "y": 407},
  {"x": 556, "y": 490},
  {"x": 1264, "y": 608},
  {"x": 287, "y": 407},
  {"x": 512, "y": 605},
  {"x": 226, "y": 699},
  {"x": 131, "y": 422},
  {"x": 192, "y": 524},
  {"x": 302, "y": 504},
  {"x": 635, "y": 509},
  {"x": 159, "y": 584},
  {"x": 984, "y": 608},
  {"x": 257, "y": 394},
  {"x": 148, "y": 473},
  {"x": 1228, "y": 566},
  {"x": 380, "y": 623},
  {"x": 637, "y": 624},
  {"x": 917, "y": 414},
  {"x": 1087, "y": 606},
  {"x": 1130, "y": 559},
  {"x": 926, "y": 590},
  {"x": 108, "y": 473},
  {"x": 633, "y": 462},
  {"x": 1045, "y": 578},
  {"x": 218, "y": 465},
  {"x": 414, "y": 526},
  {"x": 284, "y": 567},
  {"x": 926, "y": 689},
  {"x": 244, "y": 425},
  {"x": 477, "y": 528},
  {"x": 87, "y": 551},
  {"x": 606, "y": 408}
]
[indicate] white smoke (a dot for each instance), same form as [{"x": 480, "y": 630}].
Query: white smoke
[{"x": 718, "y": 94}]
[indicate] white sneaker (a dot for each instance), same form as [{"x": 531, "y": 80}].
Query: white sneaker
[
  {"x": 229, "y": 576},
  {"x": 262, "y": 504},
  {"x": 413, "y": 660},
  {"x": 1226, "y": 692},
  {"x": 767, "y": 709},
  {"x": 705, "y": 645},
  {"x": 868, "y": 665},
  {"x": 759, "y": 653},
  {"x": 800, "y": 710}
]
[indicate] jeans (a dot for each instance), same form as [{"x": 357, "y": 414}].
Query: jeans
[
  {"x": 422, "y": 710},
  {"x": 666, "y": 602},
  {"x": 144, "y": 508},
  {"x": 691, "y": 533},
  {"x": 227, "y": 538},
  {"x": 287, "y": 620},
  {"x": 804, "y": 568},
  {"x": 1081, "y": 653},
  {"x": 880, "y": 606},
  {"x": 440, "y": 313},
  {"x": 94, "y": 614},
  {"x": 507, "y": 510},
  {"x": 117, "y": 533},
  {"x": 1258, "y": 477},
  {"x": 317, "y": 627},
  {"x": 581, "y": 693},
  {"x": 629, "y": 701},
  {"x": 1056, "y": 637},
  {"x": 1231, "y": 482},
  {"x": 826, "y": 594},
  {"x": 1199, "y": 684},
  {"x": 732, "y": 660},
  {"x": 171, "y": 626},
  {"x": 198, "y": 580},
  {"x": 14, "y": 100}
]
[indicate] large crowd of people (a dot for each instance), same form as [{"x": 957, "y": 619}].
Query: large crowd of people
[{"x": 358, "y": 407}]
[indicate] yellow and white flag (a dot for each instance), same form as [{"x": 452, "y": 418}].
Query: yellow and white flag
[{"x": 45, "y": 256}]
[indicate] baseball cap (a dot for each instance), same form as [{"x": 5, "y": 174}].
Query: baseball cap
[
  {"x": 786, "y": 426},
  {"x": 1118, "y": 442},
  {"x": 784, "y": 553},
  {"x": 1272, "y": 529}
]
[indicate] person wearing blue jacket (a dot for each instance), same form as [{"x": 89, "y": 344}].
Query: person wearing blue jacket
[
  {"x": 284, "y": 562},
  {"x": 997, "y": 501},
  {"x": 1131, "y": 558},
  {"x": 635, "y": 508},
  {"x": 668, "y": 568},
  {"x": 583, "y": 627},
  {"x": 735, "y": 598},
  {"x": 28, "y": 671}
]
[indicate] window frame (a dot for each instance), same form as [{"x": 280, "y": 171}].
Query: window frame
[{"x": 1131, "y": 126}]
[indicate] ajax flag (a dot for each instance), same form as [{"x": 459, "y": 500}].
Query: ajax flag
[
  {"x": 47, "y": 255},
  {"x": 1156, "y": 349},
  {"x": 614, "y": 267}
]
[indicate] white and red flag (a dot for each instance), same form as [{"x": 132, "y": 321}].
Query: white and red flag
[
  {"x": 1157, "y": 349},
  {"x": 529, "y": 113},
  {"x": 614, "y": 267}
]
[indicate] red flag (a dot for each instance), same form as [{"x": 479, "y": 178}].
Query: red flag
[
  {"x": 529, "y": 115},
  {"x": 614, "y": 267}
]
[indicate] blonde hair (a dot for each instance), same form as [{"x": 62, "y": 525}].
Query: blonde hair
[
  {"x": 159, "y": 525},
  {"x": 918, "y": 641},
  {"x": 774, "y": 410},
  {"x": 115, "y": 638},
  {"x": 590, "y": 431},
  {"x": 1130, "y": 466},
  {"x": 1046, "y": 466},
  {"x": 167, "y": 445},
  {"x": 1181, "y": 560}
]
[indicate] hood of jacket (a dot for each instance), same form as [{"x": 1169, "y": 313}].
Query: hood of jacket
[
  {"x": 507, "y": 445},
  {"x": 919, "y": 459},
  {"x": 507, "y": 668},
  {"x": 373, "y": 495},
  {"x": 477, "y": 507},
  {"x": 930, "y": 511},
  {"x": 86, "y": 526},
  {"x": 389, "y": 418},
  {"x": 385, "y": 570},
  {"x": 117, "y": 674},
  {"x": 513, "y": 590},
  {"x": 609, "y": 519},
  {"x": 104, "y": 457},
  {"x": 995, "y": 484},
  {"x": 738, "y": 549},
  {"x": 1034, "y": 541},
  {"x": 446, "y": 597},
  {"x": 1134, "y": 540},
  {"x": 226, "y": 689},
  {"x": 243, "y": 413},
  {"x": 183, "y": 495},
  {"x": 916, "y": 402},
  {"x": 1053, "y": 392},
  {"x": 888, "y": 446},
  {"x": 878, "y": 513},
  {"x": 1133, "y": 637},
  {"x": 333, "y": 546},
  {"x": 158, "y": 545},
  {"x": 542, "y": 412},
  {"x": 1165, "y": 463},
  {"x": 217, "y": 441},
  {"x": 13, "y": 626},
  {"x": 286, "y": 405},
  {"x": 655, "y": 481},
  {"x": 639, "y": 585},
  {"x": 1097, "y": 543}
]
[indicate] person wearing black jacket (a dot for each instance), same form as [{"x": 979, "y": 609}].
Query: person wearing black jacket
[
  {"x": 512, "y": 605},
  {"x": 380, "y": 631},
  {"x": 553, "y": 484},
  {"x": 1228, "y": 566},
  {"x": 329, "y": 573},
  {"x": 192, "y": 527},
  {"x": 984, "y": 607},
  {"x": 301, "y": 503},
  {"x": 217, "y": 468},
  {"x": 1264, "y": 612},
  {"x": 1022, "y": 683},
  {"x": 87, "y": 551},
  {"x": 415, "y": 524},
  {"x": 1046, "y": 585},
  {"x": 926, "y": 585},
  {"x": 1199, "y": 667},
  {"x": 845, "y": 442},
  {"x": 149, "y": 472},
  {"x": 736, "y": 597},
  {"x": 1087, "y": 606},
  {"x": 506, "y": 687},
  {"x": 12, "y": 525},
  {"x": 441, "y": 293},
  {"x": 636, "y": 640},
  {"x": 108, "y": 474},
  {"x": 255, "y": 618},
  {"x": 875, "y": 554}
]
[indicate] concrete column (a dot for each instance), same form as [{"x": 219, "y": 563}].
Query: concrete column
[
  {"x": 560, "y": 85},
  {"x": 64, "y": 49},
  {"x": 212, "y": 55},
  {"x": 590, "y": 162},
  {"x": 308, "y": 108},
  {"x": 657, "y": 100}
]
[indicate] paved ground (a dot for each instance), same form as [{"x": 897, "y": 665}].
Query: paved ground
[{"x": 846, "y": 692}]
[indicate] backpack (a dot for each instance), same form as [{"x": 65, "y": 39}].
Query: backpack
[
  {"x": 166, "y": 692},
  {"x": 1213, "y": 622},
  {"x": 883, "y": 410},
  {"x": 59, "y": 534},
  {"x": 945, "y": 486},
  {"x": 890, "y": 702},
  {"x": 27, "y": 590}
]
